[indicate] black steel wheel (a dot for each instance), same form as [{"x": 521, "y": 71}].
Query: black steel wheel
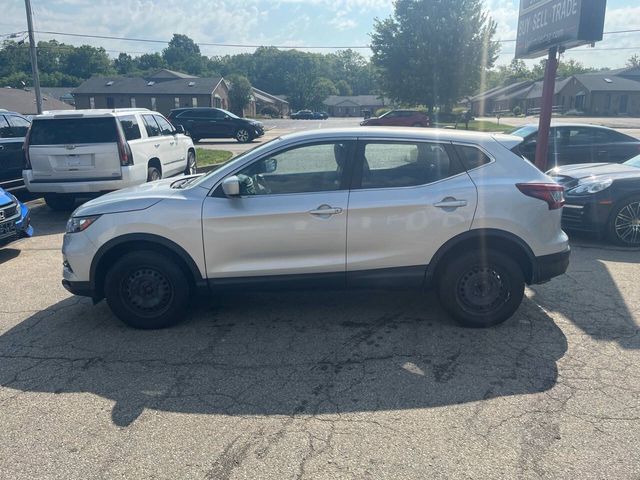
[
  {"x": 481, "y": 289},
  {"x": 147, "y": 290}
]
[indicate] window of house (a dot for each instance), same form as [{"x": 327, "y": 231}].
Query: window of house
[
  {"x": 176, "y": 102},
  {"x": 395, "y": 165},
  {"x": 92, "y": 102},
  {"x": 133, "y": 102},
  {"x": 306, "y": 169},
  {"x": 130, "y": 127},
  {"x": 194, "y": 101},
  {"x": 110, "y": 102},
  {"x": 153, "y": 103},
  {"x": 153, "y": 130}
]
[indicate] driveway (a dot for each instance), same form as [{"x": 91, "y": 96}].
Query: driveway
[{"x": 320, "y": 385}]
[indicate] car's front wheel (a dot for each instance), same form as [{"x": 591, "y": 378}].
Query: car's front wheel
[
  {"x": 481, "y": 288},
  {"x": 243, "y": 135},
  {"x": 147, "y": 290},
  {"x": 624, "y": 224}
]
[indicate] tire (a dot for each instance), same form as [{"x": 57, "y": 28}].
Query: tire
[
  {"x": 192, "y": 165},
  {"x": 243, "y": 135},
  {"x": 623, "y": 227},
  {"x": 481, "y": 291},
  {"x": 60, "y": 203},
  {"x": 147, "y": 290},
  {"x": 153, "y": 174}
]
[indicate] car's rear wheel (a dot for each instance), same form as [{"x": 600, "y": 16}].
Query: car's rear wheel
[
  {"x": 192, "y": 165},
  {"x": 481, "y": 289},
  {"x": 243, "y": 135},
  {"x": 147, "y": 290},
  {"x": 60, "y": 203},
  {"x": 153, "y": 174},
  {"x": 624, "y": 224}
]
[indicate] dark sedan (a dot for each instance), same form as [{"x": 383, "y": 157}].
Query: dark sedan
[
  {"x": 303, "y": 115},
  {"x": 576, "y": 143},
  {"x": 205, "y": 122},
  {"x": 399, "y": 118},
  {"x": 602, "y": 198}
]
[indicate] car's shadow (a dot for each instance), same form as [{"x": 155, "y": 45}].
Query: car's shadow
[
  {"x": 283, "y": 354},
  {"x": 8, "y": 253}
]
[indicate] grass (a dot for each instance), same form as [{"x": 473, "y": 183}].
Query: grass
[
  {"x": 208, "y": 157},
  {"x": 479, "y": 126}
]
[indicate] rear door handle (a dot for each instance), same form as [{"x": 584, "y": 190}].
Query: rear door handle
[
  {"x": 451, "y": 203},
  {"x": 172, "y": 143},
  {"x": 157, "y": 145},
  {"x": 326, "y": 211}
]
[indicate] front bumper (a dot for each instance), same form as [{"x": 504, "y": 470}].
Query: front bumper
[
  {"x": 23, "y": 228},
  {"x": 549, "y": 266},
  {"x": 586, "y": 214}
]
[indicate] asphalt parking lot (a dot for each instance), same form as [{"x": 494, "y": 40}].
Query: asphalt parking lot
[{"x": 361, "y": 385}]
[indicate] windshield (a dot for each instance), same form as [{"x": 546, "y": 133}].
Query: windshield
[
  {"x": 264, "y": 146},
  {"x": 634, "y": 162},
  {"x": 523, "y": 131}
]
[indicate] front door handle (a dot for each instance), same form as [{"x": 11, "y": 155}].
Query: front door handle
[
  {"x": 451, "y": 202},
  {"x": 172, "y": 143},
  {"x": 157, "y": 145},
  {"x": 326, "y": 211}
]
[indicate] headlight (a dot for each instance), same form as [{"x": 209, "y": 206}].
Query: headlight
[
  {"x": 79, "y": 224},
  {"x": 590, "y": 188}
]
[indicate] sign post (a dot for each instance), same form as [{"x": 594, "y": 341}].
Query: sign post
[{"x": 549, "y": 26}]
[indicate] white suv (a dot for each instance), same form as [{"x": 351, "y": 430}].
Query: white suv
[
  {"x": 366, "y": 207},
  {"x": 88, "y": 152}
]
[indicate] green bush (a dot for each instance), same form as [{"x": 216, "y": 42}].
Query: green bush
[{"x": 517, "y": 111}]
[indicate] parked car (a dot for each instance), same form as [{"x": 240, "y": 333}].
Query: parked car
[
  {"x": 399, "y": 118},
  {"x": 205, "y": 122},
  {"x": 320, "y": 115},
  {"x": 603, "y": 198},
  {"x": 358, "y": 207},
  {"x": 90, "y": 152},
  {"x": 302, "y": 115},
  {"x": 570, "y": 144},
  {"x": 15, "y": 221},
  {"x": 13, "y": 128}
]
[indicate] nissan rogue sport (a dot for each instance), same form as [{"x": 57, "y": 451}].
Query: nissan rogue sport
[{"x": 366, "y": 207}]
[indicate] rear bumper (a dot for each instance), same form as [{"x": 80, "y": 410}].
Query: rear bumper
[
  {"x": 130, "y": 176},
  {"x": 549, "y": 266}
]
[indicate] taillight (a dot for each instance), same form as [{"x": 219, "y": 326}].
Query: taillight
[
  {"x": 551, "y": 193},
  {"x": 124, "y": 151},
  {"x": 25, "y": 149}
]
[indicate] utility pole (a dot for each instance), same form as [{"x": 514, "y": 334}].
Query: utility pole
[
  {"x": 34, "y": 56},
  {"x": 548, "y": 90}
]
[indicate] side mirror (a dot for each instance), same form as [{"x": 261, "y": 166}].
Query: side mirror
[
  {"x": 270, "y": 165},
  {"x": 231, "y": 186},
  {"x": 180, "y": 129}
]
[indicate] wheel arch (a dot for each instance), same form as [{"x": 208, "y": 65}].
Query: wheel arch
[
  {"x": 115, "y": 248},
  {"x": 480, "y": 239},
  {"x": 155, "y": 162}
]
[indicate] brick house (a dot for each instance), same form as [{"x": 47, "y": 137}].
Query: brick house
[{"x": 162, "y": 92}]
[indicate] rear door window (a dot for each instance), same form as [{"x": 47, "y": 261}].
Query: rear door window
[
  {"x": 153, "y": 130},
  {"x": 5, "y": 130},
  {"x": 70, "y": 131},
  {"x": 19, "y": 125},
  {"x": 130, "y": 127}
]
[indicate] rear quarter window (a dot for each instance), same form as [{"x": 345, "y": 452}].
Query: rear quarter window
[
  {"x": 72, "y": 131},
  {"x": 471, "y": 157},
  {"x": 130, "y": 127}
]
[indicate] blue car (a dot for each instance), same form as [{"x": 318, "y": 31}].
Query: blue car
[{"x": 15, "y": 222}]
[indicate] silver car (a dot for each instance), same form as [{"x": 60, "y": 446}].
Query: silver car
[{"x": 348, "y": 208}]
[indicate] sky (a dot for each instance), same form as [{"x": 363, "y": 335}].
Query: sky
[{"x": 295, "y": 23}]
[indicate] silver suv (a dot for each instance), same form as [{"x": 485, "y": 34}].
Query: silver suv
[{"x": 357, "y": 208}]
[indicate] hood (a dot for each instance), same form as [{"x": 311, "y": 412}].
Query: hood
[
  {"x": 595, "y": 171},
  {"x": 130, "y": 199}
]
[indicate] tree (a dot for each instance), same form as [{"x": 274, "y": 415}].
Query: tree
[
  {"x": 344, "y": 88},
  {"x": 634, "y": 61},
  {"x": 150, "y": 61},
  {"x": 124, "y": 64},
  {"x": 433, "y": 52},
  {"x": 239, "y": 93},
  {"x": 183, "y": 54},
  {"x": 322, "y": 88},
  {"x": 86, "y": 60}
]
